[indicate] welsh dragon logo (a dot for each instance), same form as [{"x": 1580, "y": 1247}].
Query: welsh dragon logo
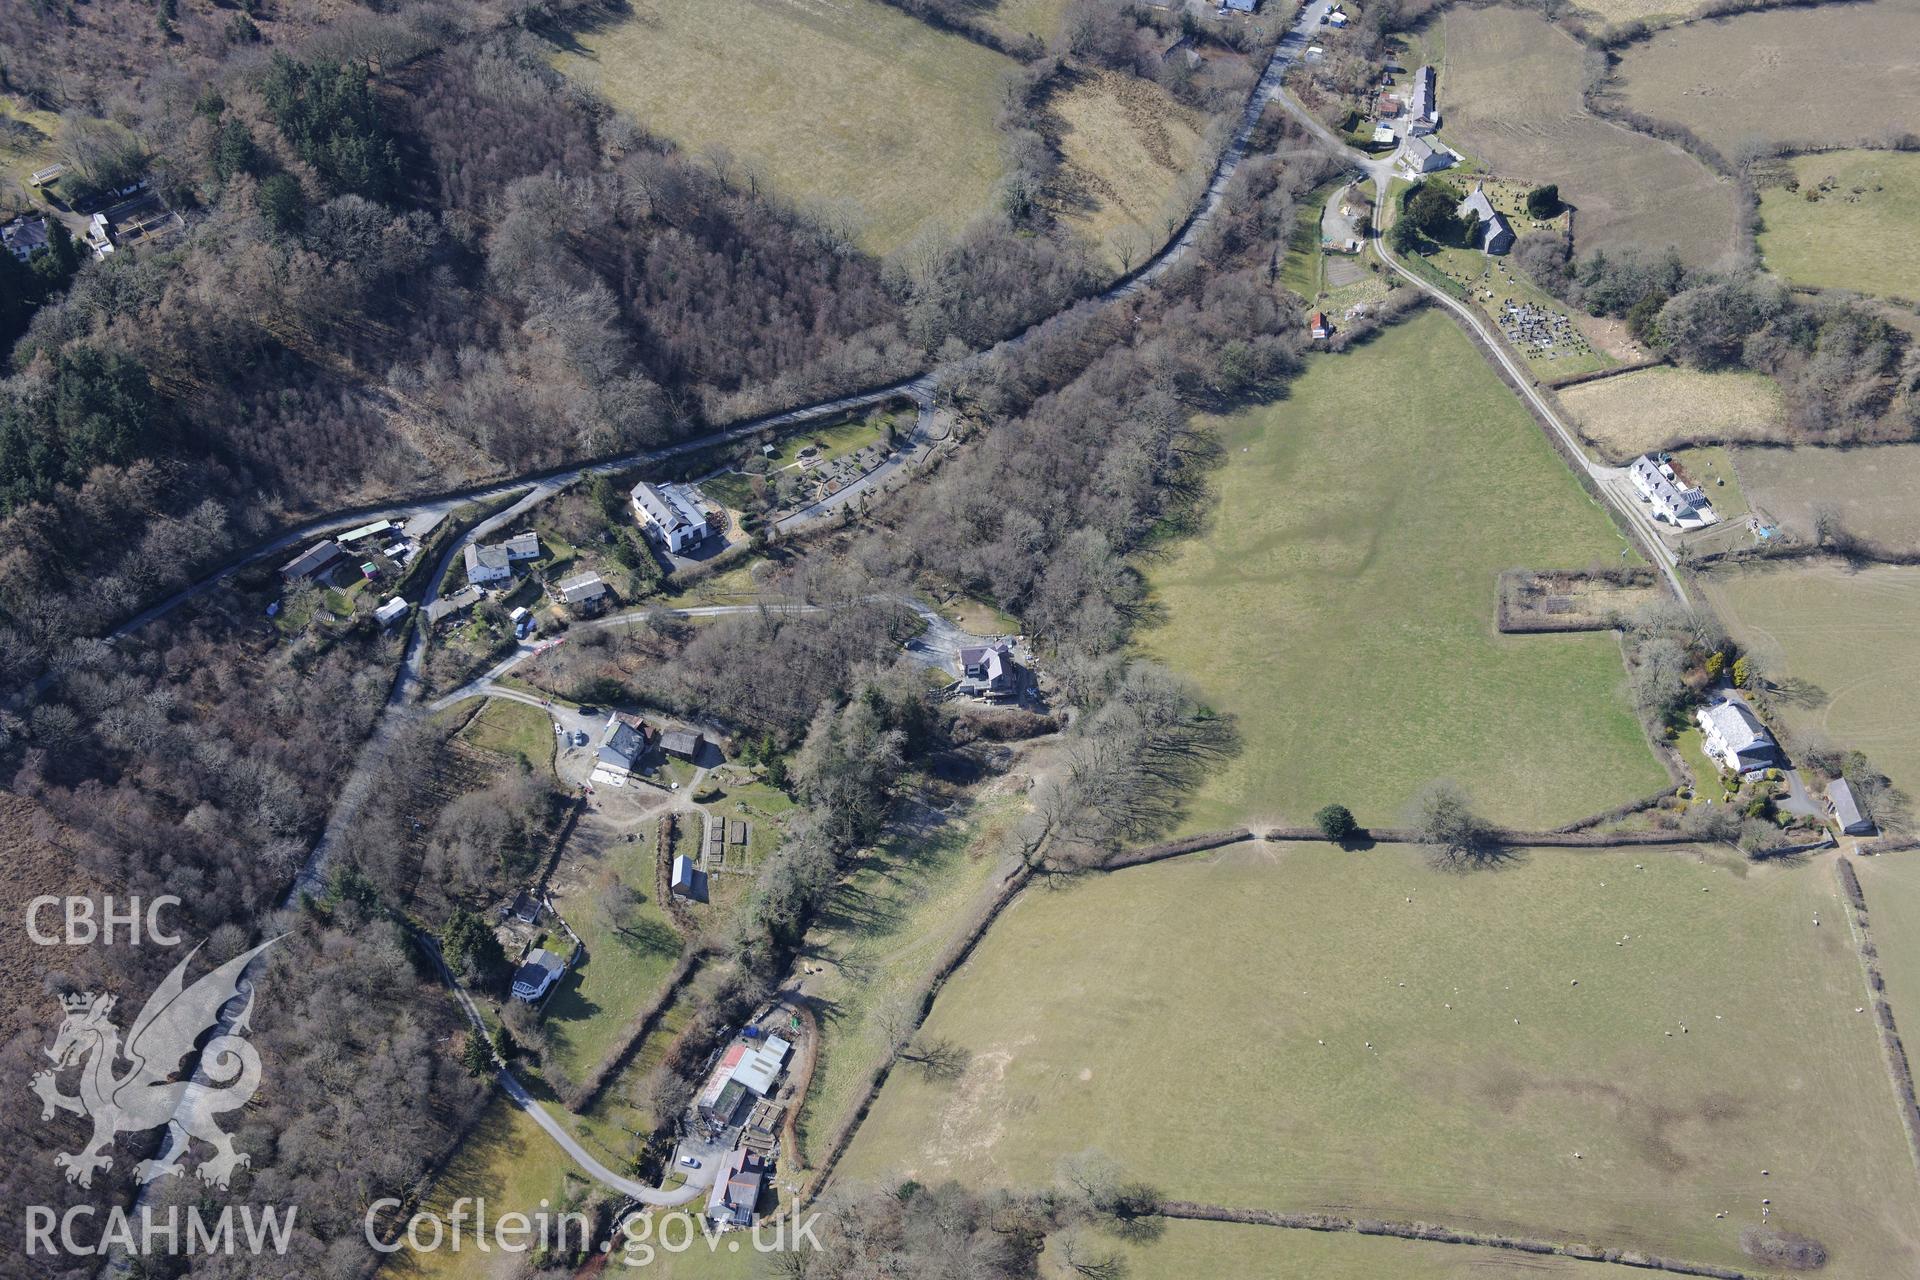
[{"x": 144, "y": 1096}]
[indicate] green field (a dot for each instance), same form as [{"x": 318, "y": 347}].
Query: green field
[
  {"x": 625, "y": 965},
  {"x": 1875, "y": 491},
  {"x": 1892, "y": 885},
  {"x": 1849, "y": 643},
  {"x": 850, "y": 105},
  {"x": 880, "y": 935},
  {"x": 1510, "y": 91},
  {"x": 1655, "y": 408},
  {"x": 1343, "y": 592},
  {"x": 1793, "y": 78},
  {"x": 1356, "y": 1030},
  {"x": 508, "y": 1161},
  {"x": 1183, "y": 1250},
  {"x": 1860, "y": 232}
]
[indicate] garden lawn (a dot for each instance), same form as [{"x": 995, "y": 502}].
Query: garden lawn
[
  {"x": 852, "y": 105},
  {"x": 1340, "y": 601},
  {"x": 1844, "y": 645},
  {"x": 624, "y": 967},
  {"x": 1862, "y": 232},
  {"x": 514, "y": 729},
  {"x": 1567, "y": 1046}
]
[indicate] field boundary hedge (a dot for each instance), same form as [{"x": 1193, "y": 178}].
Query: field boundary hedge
[
  {"x": 1598, "y": 375},
  {"x": 1189, "y": 1211}
]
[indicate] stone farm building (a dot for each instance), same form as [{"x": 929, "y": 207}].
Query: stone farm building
[
  {"x": 671, "y": 515},
  {"x": 1846, "y": 810},
  {"x": 1734, "y": 736}
]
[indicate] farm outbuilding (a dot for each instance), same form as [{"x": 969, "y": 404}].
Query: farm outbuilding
[{"x": 1846, "y": 810}]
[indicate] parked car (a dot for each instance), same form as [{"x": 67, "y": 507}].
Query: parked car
[
  {"x": 579, "y": 738},
  {"x": 690, "y": 1162}
]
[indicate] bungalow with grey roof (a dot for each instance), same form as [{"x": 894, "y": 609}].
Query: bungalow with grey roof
[{"x": 584, "y": 593}]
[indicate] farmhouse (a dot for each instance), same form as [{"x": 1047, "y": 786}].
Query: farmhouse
[
  {"x": 1424, "y": 111},
  {"x": 1422, "y": 156},
  {"x": 737, "y": 1187},
  {"x": 584, "y": 593},
  {"x": 671, "y": 514},
  {"x": 622, "y": 743},
  {"x": 1673, "y": 501},
  {"x": 536, "y": 974},
  {"x": 1735, "y": 737},
  {"x": 1493, "y": 232},
  {"x": 312, "y": 563},
  {"x": 24, "y": 237},
  {"x": 1846, "y": 810},
  {"x": 487, "y": 565}
]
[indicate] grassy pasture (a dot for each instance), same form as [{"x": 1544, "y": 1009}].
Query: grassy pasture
[
  {"x": 1017, "y": 19},
  {"x": 883, "y": 930},
  {"x": 1510, "y": 97},
  {"x": 1652, "y": 12},
  {"x": 1862, "y": 232},
  {"x": 1187, "y": 1249},
  {"x": 1850, "y": 643},
  {"x": 1875, "y": 489},
  {"x": 1343, "y": 591},
  {"x": 1892, "y": 885},
  {"x": 1656, "y": 408},
  {"x": 848, "y": 104},
  {"x": 1803, "y": 78},
  {"x": 1131, "y": 154},
  {"x": 625, "y": 966},
  {"x": 511, "y": 1163},
  {"x": 1304, "y": 1054}
]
